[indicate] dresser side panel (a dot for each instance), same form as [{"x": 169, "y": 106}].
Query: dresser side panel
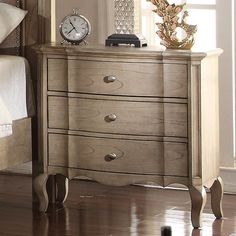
[
  {"x": 210, "y": 119},
  {"x": 194, "y": 131},
  {"x": 40, "y": 165}
]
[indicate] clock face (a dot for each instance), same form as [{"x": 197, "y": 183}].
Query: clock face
[{"x": 75, "y": 28}]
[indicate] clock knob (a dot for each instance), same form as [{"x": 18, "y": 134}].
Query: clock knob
[{"x": 109, "y": 79}]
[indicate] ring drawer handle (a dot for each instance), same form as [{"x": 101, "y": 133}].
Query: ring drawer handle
[
  {"x": 111, "y": 157},
  {"x": 111, "y": 117},
  {"x": 109, "y": 79}
]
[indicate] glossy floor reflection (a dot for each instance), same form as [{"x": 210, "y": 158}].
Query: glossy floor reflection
[{"x": 97, "y": 210}]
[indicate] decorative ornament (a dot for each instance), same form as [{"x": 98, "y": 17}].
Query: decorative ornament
[
  {"x": 167, "y": 30},
  {"x": 74, "y": 28},
  {"x": 124, "y": 16},
  {"x": 125, "y": 26}
]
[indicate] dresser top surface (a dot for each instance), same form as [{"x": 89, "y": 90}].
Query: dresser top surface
[{"x": 156, "y": 52}]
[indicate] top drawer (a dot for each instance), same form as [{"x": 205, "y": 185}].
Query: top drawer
[{"x": 123, "y": 78}]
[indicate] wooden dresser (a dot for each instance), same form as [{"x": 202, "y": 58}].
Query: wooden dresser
[{"x": 122, "y": 115}]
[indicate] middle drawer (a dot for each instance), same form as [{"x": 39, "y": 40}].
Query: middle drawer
[{"x": 118, "y": 117}]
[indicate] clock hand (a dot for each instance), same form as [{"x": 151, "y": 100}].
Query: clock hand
[
  {"x": 71, "y": 23},
  {"x": 70, "y": 31},
  {"x": 73, "y": 26}
]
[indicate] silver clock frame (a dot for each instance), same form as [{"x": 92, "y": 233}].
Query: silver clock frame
[{"x": 76, "y": 42}]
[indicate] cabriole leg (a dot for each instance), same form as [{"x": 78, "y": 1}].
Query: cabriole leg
[
  {"x": 40, "y": 188},
  {"x": 198, "y": 200},
  {"x": 216, "y": 198},
  {"x": 62, "y": 188}
]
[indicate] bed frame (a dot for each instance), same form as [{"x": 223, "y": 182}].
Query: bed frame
[{"x": 17, "y": 148}]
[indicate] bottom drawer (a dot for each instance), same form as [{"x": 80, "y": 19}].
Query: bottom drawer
[{"x": 118, "y": 155}]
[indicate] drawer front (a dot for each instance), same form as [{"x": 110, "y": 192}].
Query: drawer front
[
  {"x": 132, "y": 79},
  {"x": 140, "y": 118},
  {"x": 128, "y": 156}
]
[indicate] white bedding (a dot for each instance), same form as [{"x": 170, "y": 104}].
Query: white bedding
[
  {"x": 14, "y": 77},
  {"x": 5, "y": 121}
]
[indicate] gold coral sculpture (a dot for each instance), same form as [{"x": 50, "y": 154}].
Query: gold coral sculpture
[{"x": 171, "y": 22}]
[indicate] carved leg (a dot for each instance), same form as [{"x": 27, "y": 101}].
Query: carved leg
[
  {"x": 41, "y": 191},
  {"x": 51, "y": 189},
  {"x": 62, "y": 188},
  {"x": 216, "y": 198},
  {"x": 198, "y": 199}
]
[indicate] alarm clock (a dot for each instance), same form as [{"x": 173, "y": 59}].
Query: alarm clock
[{"x": 74, "y": 28}]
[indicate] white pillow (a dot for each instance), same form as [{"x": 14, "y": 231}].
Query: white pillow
[{"x": 10, "y": 18}]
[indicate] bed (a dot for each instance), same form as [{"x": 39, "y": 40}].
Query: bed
[{"x": 16, "y": 97}]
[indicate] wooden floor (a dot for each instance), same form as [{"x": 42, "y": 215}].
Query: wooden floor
[{"x": 96, "y": 210}]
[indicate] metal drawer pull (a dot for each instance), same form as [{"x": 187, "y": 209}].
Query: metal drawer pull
[
  {"x": 109, "y": 79},
  {"x": 111, "y": 157},
  {"x": 110, "y": 118}
]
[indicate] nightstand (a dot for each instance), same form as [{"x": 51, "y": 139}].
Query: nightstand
[{"x": 122, "y": 115}]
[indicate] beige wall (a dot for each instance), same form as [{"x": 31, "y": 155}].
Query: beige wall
[{"x": 87, "y": 8}]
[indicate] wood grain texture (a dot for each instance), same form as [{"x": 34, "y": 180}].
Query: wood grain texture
[
  {"x": 134, "y": 156},
  {"x": 175, "y": 80},
  {"x": 146, "y": 79},
  {"x": 163, "y": 119},
  {"x": 148, "y": 130}
]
